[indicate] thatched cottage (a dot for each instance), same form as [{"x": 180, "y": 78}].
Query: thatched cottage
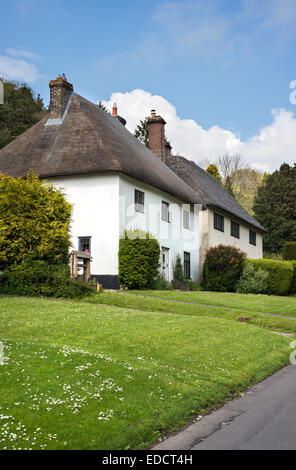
[{"x": 114, "y": 183}]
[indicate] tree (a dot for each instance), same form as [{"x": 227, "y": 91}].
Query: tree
[
  {"x": 245, "y": 183},
  {"x": 213, "y": 171},
  {"x": 228, "y": 164},
  {"x": 141, "y": 132},
  {"x": 228, "y": 186},
  {"x": 178, "y": 271},
  {"x": 20, "y": 111},
  {"x": 274, "y": 208},
  {"x": 34, "y": 221}
]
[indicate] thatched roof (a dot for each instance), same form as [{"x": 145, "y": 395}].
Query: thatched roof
[
  {"x": 87, "y": 140},
  {"x": 209, "y": 190}
]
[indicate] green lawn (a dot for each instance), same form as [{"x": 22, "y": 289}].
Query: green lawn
[
  {"x": 251, "y": 302},
  {"x": 134, "y": 301},
  {"x": 83, "y": 376}
]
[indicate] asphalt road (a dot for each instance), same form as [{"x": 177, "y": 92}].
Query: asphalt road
[{"x": 264, "y": 419}]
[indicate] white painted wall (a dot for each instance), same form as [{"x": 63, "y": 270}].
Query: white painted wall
[
  {"x": 103, "y": 205},
  {"x": 95, "y": 200},
  {"x": 215, "y": 237},
  {"x": 170, "y": 235}
]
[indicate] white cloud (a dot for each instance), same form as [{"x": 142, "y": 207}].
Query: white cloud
[
  {"x": 21, "y": 53},
  {"x": 17, "y": 69},
  {"x": 273, "y": 144}
]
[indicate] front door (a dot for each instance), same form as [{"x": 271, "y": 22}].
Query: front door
[{"x": 165, "y": 262}]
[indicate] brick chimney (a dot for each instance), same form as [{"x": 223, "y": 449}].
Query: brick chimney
[
  {"x": 167, "y": 148},
  {"x": 60, "y": 92},
  {"x": 156, "y": 135},
  {"x": 114, "y": 114}
]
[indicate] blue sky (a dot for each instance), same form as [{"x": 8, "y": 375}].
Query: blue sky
[{"x": 224, "y": 63}]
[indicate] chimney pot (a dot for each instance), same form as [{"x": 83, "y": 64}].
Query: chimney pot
[
  {"x": 153, "y": 113},
  {"x": 114, "y": 110}
]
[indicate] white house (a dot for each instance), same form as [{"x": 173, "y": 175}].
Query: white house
[{"x": 114, "y": 183}]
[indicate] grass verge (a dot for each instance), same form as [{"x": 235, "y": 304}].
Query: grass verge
[
  {"x": 130, "y": 300},
  {"x": 285, "y": 305},
  {"x": 82, "y": 376}
]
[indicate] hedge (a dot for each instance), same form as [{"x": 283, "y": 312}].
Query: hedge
[
  {"x": 280, "y": 275},
  {"x": 40, "y": 278},
  {"x": 293, "y": 285},
  {"x": 289, "y": 251},
  {"x": 138, "y": 261},
  {"x": 222, "y": 268}
]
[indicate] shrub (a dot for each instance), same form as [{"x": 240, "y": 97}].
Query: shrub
[
  {"x": 293, "y": 284},
  {"x": 179, "y": 285},
  {"x": 252, "y": 281},
  {"x": 178, "y": 271},
  {"x": 34, "y": 218},
  {"x": 39, "y": 278},
  {"x": 159, "y": 283},
  {"x": 280, "y": 274},
  {"x": 192, "y": 285},
  {"x": 222, "y": 268},
  {"x": 289, "y": 251},
  {"x": 187, "y": 285},
  {"x": 138, "y": 260}
]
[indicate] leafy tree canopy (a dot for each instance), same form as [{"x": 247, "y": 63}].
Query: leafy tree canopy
[
  {"x": 228, "y": 186},
  {"x": 213, "y": 171},
  {"x": 34, "y": 221},
  {"x": 141, "y": 132},
  {"x": 20, "y": 111},
  {"x": 245, "y": 184},
  {"x": 274, "y": 207}
]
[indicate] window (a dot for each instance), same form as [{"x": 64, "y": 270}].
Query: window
[
  {"x": 165, "y": 214},
  {"x": 234, "y": 229},
  {"x": 218, "y": 222},
  {"x": 84, "y": 244},
  {"x": 186, "y": 219},
  {"x": 252, "y": 238},
  {"x": 187, "y": 265},
  {"x": 139, "y": 201}
]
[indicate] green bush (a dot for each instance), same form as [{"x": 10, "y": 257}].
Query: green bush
[
  {"x": 252, "y": 281},
  {"x": 39, "y": 278},
  {"x": 159, "y": 283},
  {"x": 289, "y": 251},
  {"x": 178, "y": 271},
  {"x": 222, "y": 268},
  {"x": 34, "y": 219},
  {"x": 280, "y": 274},
  {"x": 293, "y": 284},
  {"x": 192, "y": 285},
  {"x": 179, "y": 285},
  {"x": 138, "y": 260}
]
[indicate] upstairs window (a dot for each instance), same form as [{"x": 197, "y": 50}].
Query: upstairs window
[
  {"x": 187, "y": 265},
  {"x": 252, "y": 237},
  {"x": 84, "y": 244},
  {"x": 139, "y": 201},
  {"x": 234, "y": 229},
  {"x": 186, "y": 219},
  {"x": 165, "y": 211},
  {"x": 218, "y": 222}
]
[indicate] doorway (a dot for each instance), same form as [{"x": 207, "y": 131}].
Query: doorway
[{"x": 165, "y": 262}]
